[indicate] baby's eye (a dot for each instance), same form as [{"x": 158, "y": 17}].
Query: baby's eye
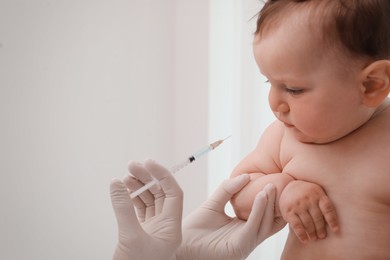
[{"x": 294, "y": 91}]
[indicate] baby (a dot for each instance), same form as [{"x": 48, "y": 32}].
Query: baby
[{"x": 328, "y": 64}]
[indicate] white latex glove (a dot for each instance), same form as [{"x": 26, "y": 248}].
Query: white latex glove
[
  {"x": 157, "y": 232},
  {"x": 208, "y": 233}
]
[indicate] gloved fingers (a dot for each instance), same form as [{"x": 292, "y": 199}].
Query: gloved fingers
[
  {"x": 123, "y": 207},
  {"x": 261, "y": 218},
  {"x": 139, "y": 171},
  {"x": 278, "y": 221},
  {"x": 133, "y": 184},
  {"x": 257, "y": 213},
  {"x": 143, "y": 175},
  {"x": 155, "y": 190},
  {"x": 144, "y": 202},
  {"x": 225, "y": 192},
  {"x": 173, "y": 200},
  {"x": 159, "y": 199}
]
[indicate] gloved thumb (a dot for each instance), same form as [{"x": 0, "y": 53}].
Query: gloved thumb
[
  {"x": 225, "y": 192},
  {"x": 126, "y": 218}
]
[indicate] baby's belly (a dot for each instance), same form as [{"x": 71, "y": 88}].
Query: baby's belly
[{"x": 363, "y": 235}]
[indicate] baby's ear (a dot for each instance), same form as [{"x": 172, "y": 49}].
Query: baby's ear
[{"x": 376, "y": 83}]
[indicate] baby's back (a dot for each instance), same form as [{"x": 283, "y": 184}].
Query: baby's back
[{"x": 355, "y": 173}]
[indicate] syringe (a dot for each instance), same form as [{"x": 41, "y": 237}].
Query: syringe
[{"x": 181, "y": 165}]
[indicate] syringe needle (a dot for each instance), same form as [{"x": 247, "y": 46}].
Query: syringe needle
[
  {"x": 181, "y": 165},
  {"x": 217, "y": 143}
]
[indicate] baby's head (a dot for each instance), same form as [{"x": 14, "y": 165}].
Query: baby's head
[
  {"x": 359, "y": 28},
  {"x": 327, "y": 61}
]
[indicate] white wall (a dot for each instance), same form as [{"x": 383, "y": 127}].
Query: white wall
[
  {"x": 84, "y": 87},
  {"x": 191, "y": 96}
]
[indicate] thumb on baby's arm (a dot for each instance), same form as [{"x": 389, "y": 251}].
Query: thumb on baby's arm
[{"x": 225, "y": 192}]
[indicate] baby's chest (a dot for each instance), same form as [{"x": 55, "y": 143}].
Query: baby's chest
[
  {"x": 315, "y": 165},
  {"x": 360, "y": 169}
]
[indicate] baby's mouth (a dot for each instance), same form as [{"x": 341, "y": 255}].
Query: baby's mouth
[{"x": 286, "y": 124}]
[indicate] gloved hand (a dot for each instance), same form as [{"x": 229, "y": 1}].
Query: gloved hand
[
  {"x": 208, "y": 233},
  {"x": 157, "y": 232},
  {"x": 307, "y": 209}
]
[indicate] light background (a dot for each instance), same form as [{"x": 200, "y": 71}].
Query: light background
[{"x": 85, "y": 86}]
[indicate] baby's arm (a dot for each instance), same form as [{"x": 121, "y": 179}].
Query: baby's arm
[
  {"x": 263, "y": 165},
  {"x": 242, "y": 202},
  {"x": 307, "y": 209}
]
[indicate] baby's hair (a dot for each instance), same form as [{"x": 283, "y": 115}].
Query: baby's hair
[{"x": 360, "y": 27}]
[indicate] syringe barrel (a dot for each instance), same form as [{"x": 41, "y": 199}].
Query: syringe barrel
[
  {"x": 202, "y": 152},
  {"x": 181, "y": 165}
]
